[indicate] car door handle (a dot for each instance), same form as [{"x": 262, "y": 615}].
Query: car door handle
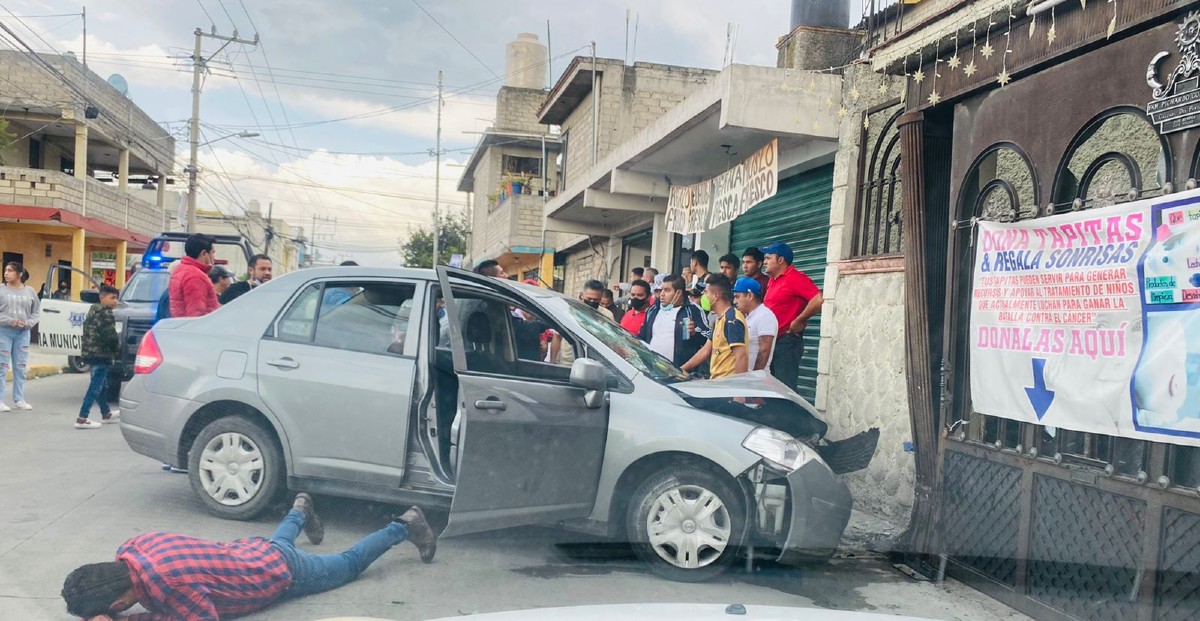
[
  {"x": 284, "y": 363},
  {"x": 491, "y": 404},
  {"x": 51, "y": 310}
]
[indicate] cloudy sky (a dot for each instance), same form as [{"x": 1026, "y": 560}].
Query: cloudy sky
[{"x": 342, "y": 92}]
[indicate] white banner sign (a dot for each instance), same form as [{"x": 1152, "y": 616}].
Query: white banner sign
[
  {"x": 699, "y": 207},
  {"x": 1090, "y": 321}
]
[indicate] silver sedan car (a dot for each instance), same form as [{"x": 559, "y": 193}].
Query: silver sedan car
[{"x": 416, "y": 386}]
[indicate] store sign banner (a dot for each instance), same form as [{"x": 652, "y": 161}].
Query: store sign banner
[
  {"x": 738, "y": 189},
  {"x": 687, "y": 207},
  {"x": 708, "y": 204},
  {"x": 1090, "y": 321}
]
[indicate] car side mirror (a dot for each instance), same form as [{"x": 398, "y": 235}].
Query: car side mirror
[
  {"x": 592, "y": 377},
  {"x": 90, "y": 297}
]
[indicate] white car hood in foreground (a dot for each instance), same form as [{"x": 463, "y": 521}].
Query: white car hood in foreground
[
  {"x": 753, "y": 384},
  {"x": 669, "y": 612}
]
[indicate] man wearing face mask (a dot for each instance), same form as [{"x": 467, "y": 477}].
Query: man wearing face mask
[
  {"x": 639, "y": 305},
  {"x": 593, "y": 293},
  {"x": 675, "y": 328}
]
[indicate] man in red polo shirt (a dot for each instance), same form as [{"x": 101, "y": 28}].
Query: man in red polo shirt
[
  {"x": 639, "y": 302},
  {"x": 794, "y": 298}
]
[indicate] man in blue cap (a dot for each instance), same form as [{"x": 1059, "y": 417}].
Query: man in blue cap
[
  {"x": 760, "y": 321},
  {"x": 794, "y": 298}
]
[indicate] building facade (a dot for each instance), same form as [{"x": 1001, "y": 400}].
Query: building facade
[
  {"x": 1011, "y": 112},
  {"x": 65, "y": 184}
]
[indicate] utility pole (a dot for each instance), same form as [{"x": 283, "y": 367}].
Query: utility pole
[
  {"x": 199, "y": 64},
  {"x": 269, "y": 229},
  {"x": 437, "y": 175}
]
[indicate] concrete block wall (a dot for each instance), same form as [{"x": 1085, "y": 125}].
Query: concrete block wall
[
  {"x": 631, "y": 98},
  {"x": 120, "y": 121},
  {"x": 861, "y": 359},
  {"x": 48, "y": 188},
  {"x": 516, "y": 109}
]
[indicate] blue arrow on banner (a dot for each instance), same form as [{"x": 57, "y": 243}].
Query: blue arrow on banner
[{"x": 1039, "y": 396}]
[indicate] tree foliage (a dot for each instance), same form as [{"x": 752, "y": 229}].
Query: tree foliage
[{"x": 417, "y": 250}]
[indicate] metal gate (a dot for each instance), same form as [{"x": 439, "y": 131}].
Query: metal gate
[
  {"x": 798, "y": 215},
  {"x": 1057, "y": 523}
]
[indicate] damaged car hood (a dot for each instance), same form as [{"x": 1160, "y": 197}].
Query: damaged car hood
[{"x": 759, "y": 384}]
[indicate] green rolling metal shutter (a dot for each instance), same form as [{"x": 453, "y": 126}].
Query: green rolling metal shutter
[{"x": 797, "y": 215}]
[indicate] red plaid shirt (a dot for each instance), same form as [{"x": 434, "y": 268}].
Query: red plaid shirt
[{"x": 180, "y": 577}]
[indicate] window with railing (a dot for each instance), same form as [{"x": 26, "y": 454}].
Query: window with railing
[{"x": 877, "y": 224}]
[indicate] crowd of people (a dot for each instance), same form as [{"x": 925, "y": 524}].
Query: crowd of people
[{"x": 749, "y": 316}]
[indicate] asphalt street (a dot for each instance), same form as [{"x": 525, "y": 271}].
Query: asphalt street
[{"x": 71, "y": 497}]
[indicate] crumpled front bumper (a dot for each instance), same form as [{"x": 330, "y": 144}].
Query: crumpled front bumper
[{"x": 806, "y": 523}]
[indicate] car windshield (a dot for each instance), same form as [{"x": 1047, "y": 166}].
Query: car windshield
[
  {"x": 146, "y": 286},
  {"x": 625, "y": 345}
]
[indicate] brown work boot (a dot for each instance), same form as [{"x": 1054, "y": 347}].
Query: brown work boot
[
  {"x": 313, "y": 528},
  {"x": 419, "y": 532}
]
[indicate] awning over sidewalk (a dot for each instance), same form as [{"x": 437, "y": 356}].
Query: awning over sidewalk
[{"x": 69, "y": 219}]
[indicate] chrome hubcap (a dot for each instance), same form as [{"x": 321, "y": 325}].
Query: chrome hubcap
[
  {"x": 231, "y": 469},
  {"x": 688, "y": 526}
]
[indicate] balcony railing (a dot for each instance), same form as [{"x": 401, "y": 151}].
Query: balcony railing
[{"x": 33, "y": 187}]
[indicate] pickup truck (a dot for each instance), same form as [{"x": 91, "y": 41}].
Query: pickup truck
[{"x": 61, "y": 327}]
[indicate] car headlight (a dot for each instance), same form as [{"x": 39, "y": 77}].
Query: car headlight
[{"x": 778, "y": 448}]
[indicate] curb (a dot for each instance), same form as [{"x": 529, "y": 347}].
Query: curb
[{"x": 37, "y": 370}]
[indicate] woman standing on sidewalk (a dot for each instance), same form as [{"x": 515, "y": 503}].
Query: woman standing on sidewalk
[{"x": 19, "y": 312}]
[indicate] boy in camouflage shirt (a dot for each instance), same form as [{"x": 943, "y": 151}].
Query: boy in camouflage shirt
[{"x": 99, "y": 347}]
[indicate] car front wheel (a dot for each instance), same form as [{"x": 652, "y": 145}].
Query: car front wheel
[
  {"x": 236, "y": 468},
  {"x": 686, "y": 523},
  {"x": 76, "y": 364}
]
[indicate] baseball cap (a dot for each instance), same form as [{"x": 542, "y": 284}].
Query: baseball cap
[
  {"x": 747, "y": 285},
  {"x": 658, "y": 281},
  {"x": 781, "y": 249},
  {"x": 218, "y": 271}
]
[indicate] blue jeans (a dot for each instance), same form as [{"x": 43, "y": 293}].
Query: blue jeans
[
  {"x": 14, "y": 346},
  {"x": 314, "y": 573},
  {"x": 96, "y": 390}
]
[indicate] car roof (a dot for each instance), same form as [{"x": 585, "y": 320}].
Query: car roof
[{"x": 354, "y": 271}]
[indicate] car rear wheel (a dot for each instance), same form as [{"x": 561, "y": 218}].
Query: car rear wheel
[
  {"x": 686, "y": 523},
  {"x": 236, "y": 468}
]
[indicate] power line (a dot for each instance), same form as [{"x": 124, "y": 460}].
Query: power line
[
  {"x": 460, "y": 43},
  {"x": 211, "y": 21}
]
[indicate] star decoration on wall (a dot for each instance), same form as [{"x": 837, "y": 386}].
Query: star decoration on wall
[
  {"x": 883, "y": 88},
  {"x": 1004, "y": 78},
  {"x": 954, "y": 62},
  {"x": 918, "y": 76},
  {"x": 1051, "y": 35},
  {"x": 987, "y": 50},
  {"x": 842, "y": 112},
  {"x": 866, "y": 122},
  {"x": 854, "y": 94},
  {"x": 934, "y": 98},
  {"x": 970, "y": 69}
]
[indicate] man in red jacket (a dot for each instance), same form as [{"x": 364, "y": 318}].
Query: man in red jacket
[{"x": 191, "y": 291}]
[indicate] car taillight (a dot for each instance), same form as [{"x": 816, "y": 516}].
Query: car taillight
[{"x": 148, "y": 355}]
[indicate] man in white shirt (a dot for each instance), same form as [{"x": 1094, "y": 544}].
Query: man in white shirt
[
  {"x": 674, "y": 328},
  {"x": 762, "y": 323}
]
